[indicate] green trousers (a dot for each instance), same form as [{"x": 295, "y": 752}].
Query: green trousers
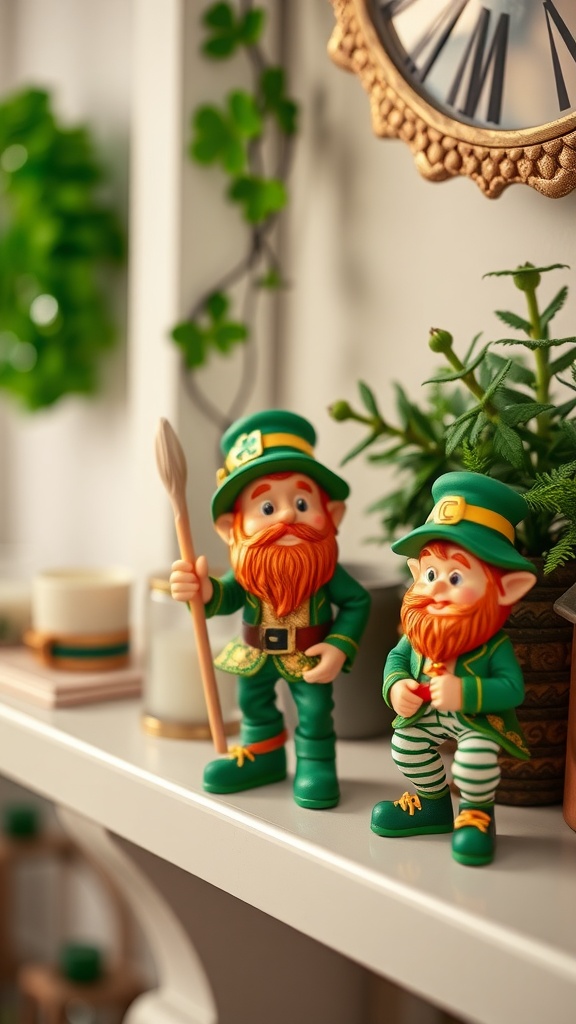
[{"x": 261, "y": 717}]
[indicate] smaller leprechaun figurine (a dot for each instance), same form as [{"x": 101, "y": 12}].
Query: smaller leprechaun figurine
[
  {"x": 278, "y": 509},
  {"x": 454, "y": 674}
]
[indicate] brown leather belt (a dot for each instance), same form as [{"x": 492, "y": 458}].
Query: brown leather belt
[{"x": 284, "y": 639}]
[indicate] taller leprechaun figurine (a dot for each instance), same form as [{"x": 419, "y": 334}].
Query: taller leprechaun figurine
[
  {"x": 454, "y": 674},
  {"x": 278, "y": 510}
]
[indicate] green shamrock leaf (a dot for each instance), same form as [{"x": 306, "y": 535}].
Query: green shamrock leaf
[
  {"x": 259, "y": 197},
  {"x": 230, "y": 32}
]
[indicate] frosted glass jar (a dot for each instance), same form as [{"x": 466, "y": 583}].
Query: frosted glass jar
[{"x": 174, "y": 704}]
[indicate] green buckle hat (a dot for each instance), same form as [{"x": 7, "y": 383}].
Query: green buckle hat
[
  {"x": 274, "y": 441},
  {"x": 476, "y": 512}
]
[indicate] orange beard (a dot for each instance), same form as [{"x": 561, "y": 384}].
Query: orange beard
[
  {"x": 283, "y": 575},
  {"x": 443, "y": 637}
]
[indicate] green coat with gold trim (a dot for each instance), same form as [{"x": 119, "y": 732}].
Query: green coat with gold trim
[
  {"x": 342, "y": 591},
  {"x": 492, "y": 686}
]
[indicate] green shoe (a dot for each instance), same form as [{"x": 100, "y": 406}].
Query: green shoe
[
  {"x": 255, "y": 764},
  {"x": 413, "y": 815},
  {"x": 315, "y": 782},
  {"x": 474, "y": 834}
]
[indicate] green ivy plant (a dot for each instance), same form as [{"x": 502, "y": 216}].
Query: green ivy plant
[
  {"x": 235, "y": 137},
  {"x": 56, "y": 237},
  {"x": 492, "y": 411}
]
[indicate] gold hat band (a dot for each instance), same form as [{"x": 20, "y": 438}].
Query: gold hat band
[
  {"x": 243, "y": 452},
  {"x": 454, "y": 508}
]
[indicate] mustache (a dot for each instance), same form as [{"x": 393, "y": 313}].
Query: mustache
[
  {"x": 271, "y": 534},
  {"x": 420, "y": 602}
]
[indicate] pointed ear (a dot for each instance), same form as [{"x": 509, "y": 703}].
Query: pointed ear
[
  {"x": 336, "y": 510},
  {"x": 223, "y": 527},
  {"x": 515, "y": 585},
  {"x": 414, "y": 566}
]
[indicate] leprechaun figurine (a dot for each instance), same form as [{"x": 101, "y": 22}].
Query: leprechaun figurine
[
  {"x": 278, "y": 509},
  {"x": 454, "y": 674}
]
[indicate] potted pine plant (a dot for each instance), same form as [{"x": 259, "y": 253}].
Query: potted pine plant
[{"x": 504, "y": 408}]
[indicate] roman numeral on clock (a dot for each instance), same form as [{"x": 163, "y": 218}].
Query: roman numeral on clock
[
  {"x": 553, "y": 17},
  {"x": 482, "y": 57},
  {"x": 463, "y": 51}
]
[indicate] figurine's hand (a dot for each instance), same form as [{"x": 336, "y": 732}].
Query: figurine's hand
[
  {"x": 446, "y": 692},
  {"x": 331, "y": 661},
  {"x": 403, "y": 698},
  {"x": 187, "y": 580}
]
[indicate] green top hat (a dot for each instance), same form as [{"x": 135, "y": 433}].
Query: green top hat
[
  {"x": 476, "y": 512},
  {"x": 274, "y": 441}
]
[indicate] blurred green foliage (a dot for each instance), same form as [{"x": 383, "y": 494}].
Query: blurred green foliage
[
  {"x": 235, "y": 137},
  {"x": 56, "y": 236},
  {"x": 489, "y": 413}
]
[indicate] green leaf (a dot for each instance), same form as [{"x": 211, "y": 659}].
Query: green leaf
[
  {"x": 403, "y": 405},
  {"x": 535, "y": 344},
  {"x": 562, "y": 552},
  {"x": 422, "y": 424},
  {"x": 513, "y": 415},
  {"x": 468, "y": 415},
  {"x": 220, "y": 16},
  {"x": 222, "y": 43},
  {"x": 497, "y": 382},
  {"x": 252, "y": 26},
  {"x": 191, "y": 339},
  {"x": 473, "y": 344},
  {"x": 526, "y": 270},
  {"x": 456, "y": 433},
  {"x": 459, "y": 374},
  {"x": 389, "y": 454},
  {"x": 513, "y": 320},
  {"x": 359, "y": 448},
  {"x": 245, "y": 114},
  {"x": 482, "y": 421},
  {"x": 554, "y": 307},
  {"x": 228, "y": 334},
  {"x": 272, "y": 279},
  {"x": 569, "y": 431},
  {"x": 260, "y": 198},
  {"x": 272, "y": 86},
  {"x": 275, "y": 100},
  {"x": 508, "y": 444},
  {"x": 566, "y": 408},
  {"x": 217, "y": 305},
  {"x": 518, "y": 373},
  {"x": 368, "y": 399},
  {"x": 287, "y": 116},
  {"x": 219, "y": 47},
  {"x": 213, "y": 135},
  {"x": 563, "y": 361}
]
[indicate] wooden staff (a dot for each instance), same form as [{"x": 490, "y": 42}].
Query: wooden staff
[{"x": 171, "y": 464}]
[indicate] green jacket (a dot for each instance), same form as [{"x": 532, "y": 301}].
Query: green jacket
[
  {"x": 342, "y": 591},
  {"x": 492, "y": 686}
]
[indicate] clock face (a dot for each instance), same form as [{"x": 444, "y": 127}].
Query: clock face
[{"x": 495, "y": 65}]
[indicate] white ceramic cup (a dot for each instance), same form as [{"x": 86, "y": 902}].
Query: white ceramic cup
[
  {"x": 81, "y": 617},
  {"x": 74, "y": 601}
]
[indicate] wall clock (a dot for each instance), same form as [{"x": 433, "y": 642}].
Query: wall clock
[{"x": 482, "y": 88}]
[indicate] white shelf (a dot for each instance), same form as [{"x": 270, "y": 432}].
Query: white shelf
[{"x": 493, "y": 945}]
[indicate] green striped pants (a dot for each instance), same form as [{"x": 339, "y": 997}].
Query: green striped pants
[{"x": 475, "y": 768}]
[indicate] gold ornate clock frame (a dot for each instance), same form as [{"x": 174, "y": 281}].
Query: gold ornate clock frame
[{"x": 544, "y": 158}]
